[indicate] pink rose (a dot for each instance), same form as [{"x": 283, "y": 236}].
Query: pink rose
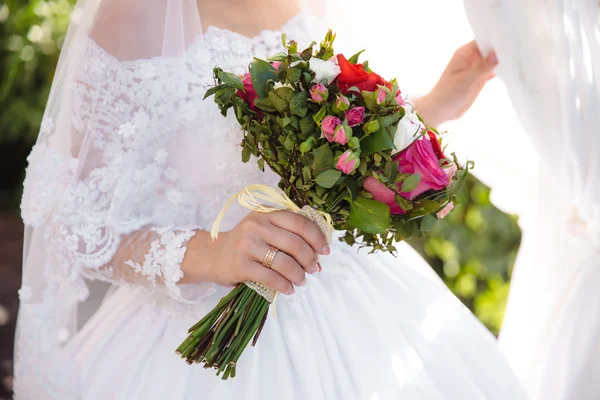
[
  {"x": 380, "y": 95},
  {"x": 248, "y": 94},
  {"x": 399, "y": 99},
  {"x": 319, "y": 93},
  {"x": 342, "y": 103},
  {"x": 328, "y": 126},
  {"x": 444, "y": 211},
  {"x": 348, "y": 162},
  {"x": 355, "y": 116},
  {"x": 383, "y": 194},
  {"x": 342, "y": 134},
  {"x": 276, "y": 64},
  {"x": 419, "y": 158}
]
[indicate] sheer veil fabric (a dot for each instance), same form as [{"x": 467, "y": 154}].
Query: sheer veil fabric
[
  {"x": 130, "y": 164},
  {"x": 549, "y": 54}
]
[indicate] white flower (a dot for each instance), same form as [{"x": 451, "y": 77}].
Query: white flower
[
  {"x": 325, "y": 71},
  {"x": 278, "y": 85},
  {"x": 408, "y": 131},
  {"x": 25, "y": 293}
]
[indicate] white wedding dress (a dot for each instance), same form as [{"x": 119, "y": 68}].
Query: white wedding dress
[{"x": 145, "y": 163}]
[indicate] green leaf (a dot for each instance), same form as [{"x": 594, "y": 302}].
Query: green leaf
[
  {"x": 422, "y": 208},
  {"x": 246, "y": 153},
  {"x": 352, "y": 188},
  {"x": 328, "y": 178},
  {"x": 278, "y": 57},
  {"x": 260, "y": 72},
  {"x": 298, "y": 104},
  {"x": 370, "y": 216},
  {"x": 288, "y": 144},
  {"x": 261, "y": 164},
  {"x": 264, "y": 104},
  {"x": 370, "y": 100},
  {"x": 354, "y": 58},
  {"x": 323, "y": 159},
  {"x": 306, "y": 174},
  {"x": 293, "y": 74},
  {"x": 210, "y": 92},
  {"x": 411, "y": 183},
  {"x": 377, "y": 141},
  {"x": 278, "y": 102},
  {"x": 402, "y": 202},
  {"x": 395, "y": 117},
  {"x": 307, "y": 125},
  {"x": 428, "y": 223},
  {"x": 318, "y": 117},
  {"x": 231, "y": 79}
]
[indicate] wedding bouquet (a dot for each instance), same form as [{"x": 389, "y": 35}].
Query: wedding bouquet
[{"x": 352, "y": 156}]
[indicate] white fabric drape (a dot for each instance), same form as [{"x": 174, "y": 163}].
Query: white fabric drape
[{"x": 549, "y": 52}]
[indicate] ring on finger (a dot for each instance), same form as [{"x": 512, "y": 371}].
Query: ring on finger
[{"x": 270, "y": 256}]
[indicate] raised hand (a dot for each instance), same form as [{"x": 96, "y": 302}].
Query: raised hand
[{"x": 461, "y": 82}]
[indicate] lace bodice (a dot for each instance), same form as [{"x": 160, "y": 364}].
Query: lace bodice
[{"x": 148, "y": 159}]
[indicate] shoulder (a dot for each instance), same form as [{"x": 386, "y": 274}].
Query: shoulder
[{"x": 118, "y": 23}]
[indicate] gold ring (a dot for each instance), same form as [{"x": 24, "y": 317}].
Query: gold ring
[{"x": 270, "y": 256}]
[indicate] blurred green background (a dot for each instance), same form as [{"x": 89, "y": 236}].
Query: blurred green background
[{"x": 473, "y": 249}]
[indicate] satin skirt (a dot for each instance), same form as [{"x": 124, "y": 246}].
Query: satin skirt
[{"x": 369, "y": 327}]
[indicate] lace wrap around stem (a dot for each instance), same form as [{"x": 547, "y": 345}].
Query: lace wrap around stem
[{"x": 263, "y": 198}]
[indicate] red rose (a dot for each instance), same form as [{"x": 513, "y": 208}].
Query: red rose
[
  {"x": 355, "y": 75},
  {"x": 437, "y": 147}
]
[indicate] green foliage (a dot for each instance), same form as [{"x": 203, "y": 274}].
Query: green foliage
[
  {"x": 473, "y": 250},
  {"x": 31, "y": 35}
]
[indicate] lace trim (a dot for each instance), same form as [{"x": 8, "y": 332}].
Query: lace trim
[{"x": 163, "y": 260}]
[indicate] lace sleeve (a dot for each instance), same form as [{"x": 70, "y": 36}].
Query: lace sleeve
[
  {"x": 84, "y": 238},
  {"x": 151, "y": 257}
]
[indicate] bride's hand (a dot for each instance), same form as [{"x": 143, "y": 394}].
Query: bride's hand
[
  {"x": 458, "y": 87},
  {"x": 237, "y": 255}
]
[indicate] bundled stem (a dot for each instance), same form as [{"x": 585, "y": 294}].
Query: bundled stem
[{"x": 218, "y": 340}]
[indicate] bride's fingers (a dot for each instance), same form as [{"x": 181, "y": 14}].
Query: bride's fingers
[
  {"x": 295, "y": 246},
  {"x": 283, "y": 263},
  {"x": 273, "y": 279},
  {"x": 289, "y": 268}
]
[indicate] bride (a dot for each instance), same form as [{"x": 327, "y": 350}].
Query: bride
[{"x": 129, "y": 171}]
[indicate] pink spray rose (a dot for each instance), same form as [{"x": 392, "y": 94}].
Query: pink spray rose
[
  {"x": 348, "y": 161},
  {"x": 380, "y": 95},
  {"x": 355, "y": 116},
  {"x": 328, "y": 126},
  {"x": 342, "y": 134},
  {"x": 342, "y": 103},
  {"x": 319, "y": 93}
]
